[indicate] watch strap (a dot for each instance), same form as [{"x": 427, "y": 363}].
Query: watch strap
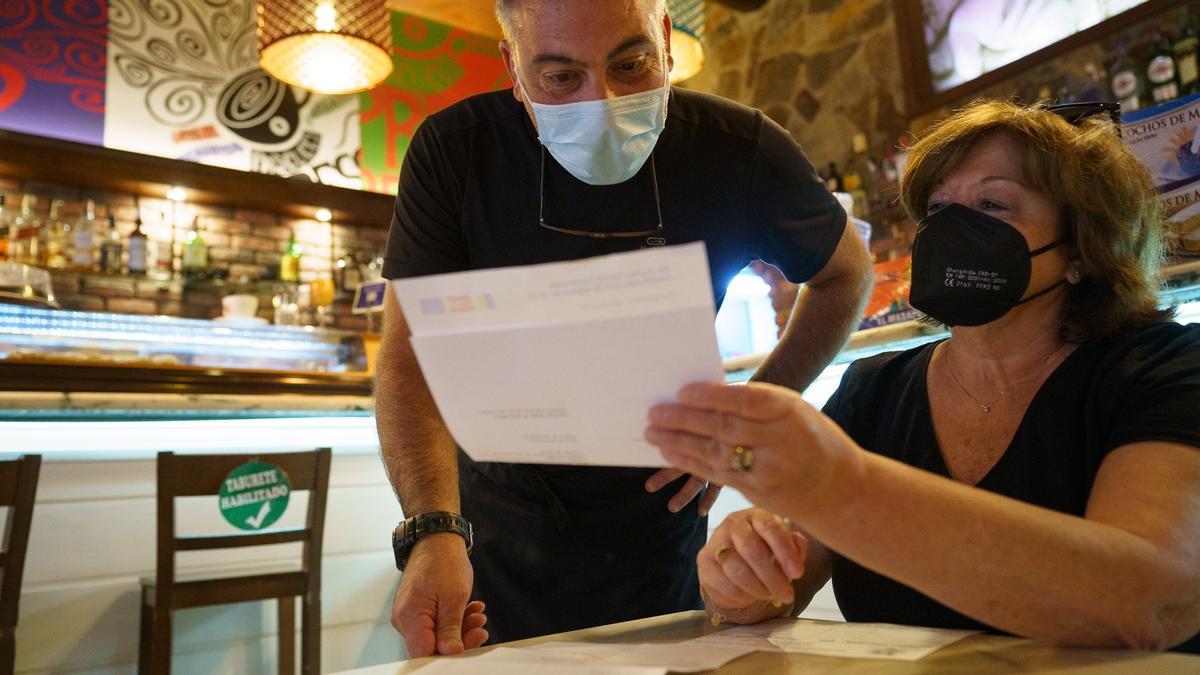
[{"x": 410, "y": 531}]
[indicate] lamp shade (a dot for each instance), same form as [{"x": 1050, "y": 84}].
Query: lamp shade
[
  {"x": 687, "y": 30},
  {"x": 326, "y": 46}
]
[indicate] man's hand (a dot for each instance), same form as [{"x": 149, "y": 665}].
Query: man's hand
[
  {"x": 687, "y": 493},
  {"x": 431, "y": 609}
]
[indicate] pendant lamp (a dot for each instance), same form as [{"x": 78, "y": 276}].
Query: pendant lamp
[
  {"x": 325, "y": 46},
  {"x": 687, "y": 30}
]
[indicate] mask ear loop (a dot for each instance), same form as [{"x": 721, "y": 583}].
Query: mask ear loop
[
  {"x": 1033, "y": 254},
  {"x": 1042, "y": 292},
  {"x": 1038, "y": 251}
]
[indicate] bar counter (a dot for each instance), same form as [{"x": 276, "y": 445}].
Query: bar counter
[{"x": 974, "y": 654}]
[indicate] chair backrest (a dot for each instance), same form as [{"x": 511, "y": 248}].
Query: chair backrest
[
  {"x": 203, "y": 475},
  {"x": 18, "y": 486}
]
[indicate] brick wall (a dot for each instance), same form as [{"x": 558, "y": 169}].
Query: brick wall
[{"x": 248, "y": 244}]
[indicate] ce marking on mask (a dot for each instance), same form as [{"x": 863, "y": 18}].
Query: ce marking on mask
[{"x": 982, "y": 280}]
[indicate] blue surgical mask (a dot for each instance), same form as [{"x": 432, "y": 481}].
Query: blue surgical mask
[{"x": 606, "y": 141}]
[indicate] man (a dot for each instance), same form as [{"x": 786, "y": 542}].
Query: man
[{"x": 590, "y": 153}]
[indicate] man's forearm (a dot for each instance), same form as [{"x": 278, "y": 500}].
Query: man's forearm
[
  {"x": 418, "y": 453},
  {"x": 822, "y": 320}
]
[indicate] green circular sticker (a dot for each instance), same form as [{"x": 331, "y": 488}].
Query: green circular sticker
[{"x": 254, "y": 495}]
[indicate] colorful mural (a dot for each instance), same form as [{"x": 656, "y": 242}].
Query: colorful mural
[
  {"x": 52, "y": 63},
  {"x": 184, "y": 82},
  {"x": 434, "y": 66},
  {"x": 180, "y": 79}
]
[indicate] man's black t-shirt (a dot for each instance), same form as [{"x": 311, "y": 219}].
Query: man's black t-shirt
[
  {"x": 1142, "y": 386},
  {"x": 727, "y": 175},
  {"x": 558, "y": 548}
]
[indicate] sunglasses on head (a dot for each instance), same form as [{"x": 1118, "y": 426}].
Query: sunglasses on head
[{"x": 1075, "y": 113}]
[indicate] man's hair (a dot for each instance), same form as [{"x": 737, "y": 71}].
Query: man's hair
[
  {"x": 1110, "y": 209},
  {"x": 505, "y": 13}
]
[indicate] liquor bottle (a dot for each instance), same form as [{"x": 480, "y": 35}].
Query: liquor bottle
[
  {"x": 5, "y": 229},
  {"x": 1094, "y": 88},
  {"x": 346, "y": 275},
  {"x": 289, "y": 263},
  {"x": 1125, "y": 82},
  {"x": 1185, "y": 49},
  {"x": 1162, "y": 74},
  {"x": 138, "y": 248},
  {"x": 111, "y": 248},
  {"x": 161, "y": 254},
  {"x": 867, "y": 194},
  {"x": 195, "y": 253},
  {"x": 833, "y": 179},
  {"x": 56, "y": 237},
  {"x": 25, "y": 245},
  {"x": 83, "y": 240}
]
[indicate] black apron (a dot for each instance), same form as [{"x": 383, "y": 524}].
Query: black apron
[{"x": 559, "y": 548}]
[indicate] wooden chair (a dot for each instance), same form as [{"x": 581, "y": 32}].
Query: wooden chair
[
  {"x": 202, "y": 475},
  {"x": 18, "y": 485}
]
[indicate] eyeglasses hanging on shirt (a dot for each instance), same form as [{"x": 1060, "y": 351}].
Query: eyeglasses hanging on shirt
[{"x": 596, "y": 234}]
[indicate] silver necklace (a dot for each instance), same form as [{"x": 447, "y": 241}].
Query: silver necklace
[{"x": 987, "y": 407}]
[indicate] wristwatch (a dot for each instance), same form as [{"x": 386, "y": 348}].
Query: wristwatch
[{"x": 409, "y": 532}]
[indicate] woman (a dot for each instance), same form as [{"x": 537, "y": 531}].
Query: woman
[{"x": 1037, "y": 473}]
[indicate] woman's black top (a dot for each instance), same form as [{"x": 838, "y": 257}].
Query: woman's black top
[{"x": 1141, "y": 386}]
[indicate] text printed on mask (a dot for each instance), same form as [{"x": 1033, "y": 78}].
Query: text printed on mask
[{"x": 980, "y": 279}]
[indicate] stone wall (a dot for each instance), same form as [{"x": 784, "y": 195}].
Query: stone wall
[
  {"x": 825, "y": 70},
  {"x": 828, "y": 69}
]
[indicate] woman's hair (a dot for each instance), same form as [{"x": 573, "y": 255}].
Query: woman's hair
[{"x": 1111, "y": 213}]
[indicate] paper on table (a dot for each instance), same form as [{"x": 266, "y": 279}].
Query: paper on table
[
  {"x": 678, "y": 657},
  {"x": 481, "y": 664},
  {"x": 575, "y": 657},
  {"x": 835, "y": 638},
  {"x": 559, "y": 363}
]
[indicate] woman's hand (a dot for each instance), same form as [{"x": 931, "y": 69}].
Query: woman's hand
[
  {"x": 760, "y": 439},
  {"x": 747, "y": 567}
]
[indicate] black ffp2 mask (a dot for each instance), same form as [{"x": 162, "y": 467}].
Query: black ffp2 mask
[{"x": 969, "y": 268}]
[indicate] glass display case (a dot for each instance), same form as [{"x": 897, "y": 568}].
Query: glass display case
[{"x": 37, "y": 334}]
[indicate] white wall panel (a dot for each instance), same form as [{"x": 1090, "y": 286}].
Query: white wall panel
[{"x": 93, "y": 536}]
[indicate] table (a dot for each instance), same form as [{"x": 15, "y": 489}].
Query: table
[{"x": 975, "y": 654}]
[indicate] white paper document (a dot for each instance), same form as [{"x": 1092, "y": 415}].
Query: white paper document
[
  {"x": 558, "y": 363},
  {"x": 835, "y": 638},
  {"x": 599, "y": 658},
  {"x": 481, "y": 664}
]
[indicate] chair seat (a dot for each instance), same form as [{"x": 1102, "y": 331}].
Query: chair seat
[{"x": 221, "y": 590}]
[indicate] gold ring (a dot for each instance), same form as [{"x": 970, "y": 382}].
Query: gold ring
[
  {"x": 723, "y": 554},
  {"x": 742, "y": 459}
]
